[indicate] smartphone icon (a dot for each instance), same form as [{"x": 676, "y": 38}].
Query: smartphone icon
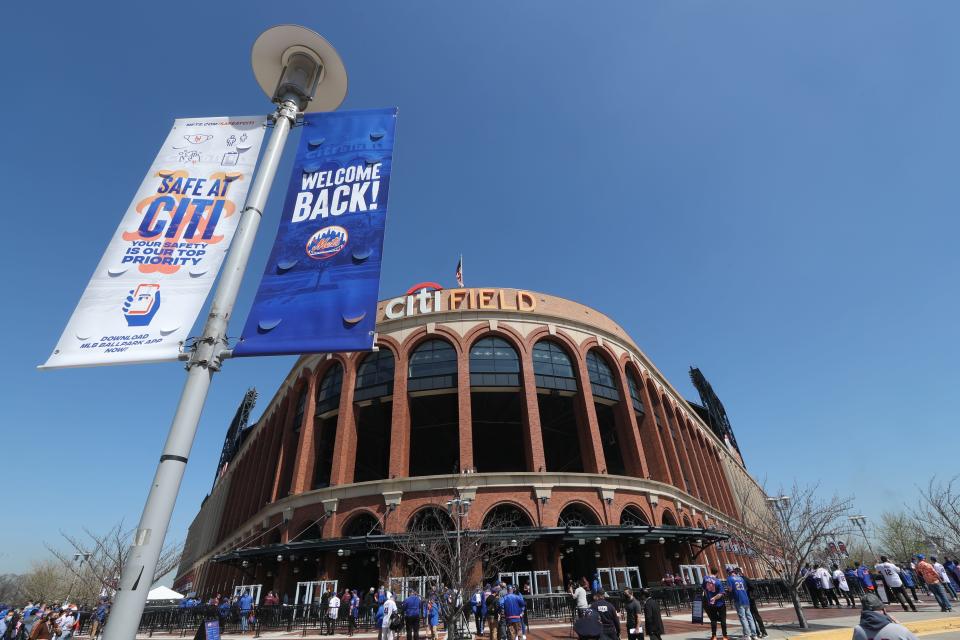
[{"x": 143, "y": 299}]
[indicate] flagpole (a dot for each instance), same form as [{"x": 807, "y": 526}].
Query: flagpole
[{"x": 292, "y": 95}]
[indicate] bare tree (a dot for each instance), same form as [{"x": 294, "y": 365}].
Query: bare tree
[
  {"x": 45, "y": 582},
  {"x": 791, "y": 529},
  {"x": 939, "y": 514},
  {"x": 900, "y": 535},
  {"x": 443, "y": 545},
  {"x": 11, "y": 588},
  {"x": 93, "y": 562}
]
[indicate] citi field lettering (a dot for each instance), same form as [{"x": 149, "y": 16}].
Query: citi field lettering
[{"x": 459, "y": 300}]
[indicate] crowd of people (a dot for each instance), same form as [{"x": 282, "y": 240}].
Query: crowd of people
[
  {"x": 942, "y": 581},
  {"x": 41, "y": 621}
]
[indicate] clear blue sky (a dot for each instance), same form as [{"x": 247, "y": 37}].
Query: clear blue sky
[{"x": 766, "y": 190}]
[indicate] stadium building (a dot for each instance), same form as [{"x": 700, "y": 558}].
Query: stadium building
[{"x": 531, "y": 406}]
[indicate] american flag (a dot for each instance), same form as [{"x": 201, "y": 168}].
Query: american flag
[{"x": 459, "y": 274}]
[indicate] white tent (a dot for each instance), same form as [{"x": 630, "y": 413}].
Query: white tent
[{"x": 163, "y": 593}]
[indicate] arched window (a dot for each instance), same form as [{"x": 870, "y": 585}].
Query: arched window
[
  {"x": 602, "y": 381},
  {"x": 668, "y": 520},
  {"x": 433, "y": 365},
  {"x": 312, "y": 532},
  {"x": 633, "y": 517},
  {"x": 494, "y": 363},
  {"x": 430, "y": 519},
  {"x": 552, "y": 367},
  {"x": 328, "y": 394},
  {"x": 375, "y": 376},
  {"x": 505, "y": 516},
  {"x": 364, "y": 524},
  {"x": 576, "y": 515},
  {"x": 636, "y": 396}
]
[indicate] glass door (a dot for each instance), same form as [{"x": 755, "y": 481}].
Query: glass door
[
  {"x": 506, "y": 577},
  {"x": 254, "y": 590},
  {"x": 524, "y": 580},
  {"x": 633, "y": 578}
]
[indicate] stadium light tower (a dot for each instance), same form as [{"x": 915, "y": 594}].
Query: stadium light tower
[{"x": 300, "y": 72}]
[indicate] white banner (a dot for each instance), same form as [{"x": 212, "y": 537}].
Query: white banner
[{"x": 152, "y": 281}]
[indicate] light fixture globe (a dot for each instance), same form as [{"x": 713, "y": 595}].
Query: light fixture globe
[{"x": 290, "y": 45}]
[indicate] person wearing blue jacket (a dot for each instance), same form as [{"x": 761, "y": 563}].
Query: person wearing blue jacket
[
  {"x": 906, "y": 574},
  {"x": 411, "y": 608},
  {"x": 741, "y": 600},
  {"x": 476, "y": 606},
  {"x": 246, "y": 604},
  {"x": 513, "y": 608},
  {"x": 865, "y": 578}
]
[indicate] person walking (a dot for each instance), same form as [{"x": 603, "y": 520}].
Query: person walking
[
  {"x": 829, "y": 596},
  {"x": 412, "y": 608},
  {"x": 245, "y": 604},
  {"x": 432, "y": 614},
  {"x": 65, "y": 624},
  {"x": 492, "y": 613},
  {"x": 812, "y": 583},
  {"x": 44, "y": 628},
  {"x": 931, "y": 578},
  {"x": 354, "y": 611},
  {"x": 865, "y": 578},
  {"x": 944, "y": 578},
  {"x": 840, "y": 580},
  {"x": 652, "y": 620},
  {"x": 738, "y": 591},
  {"x": 714, "y": 604},
  {"x": 890, "y": 574},
  {"x": 753, "y": 605},
  {"x": 875, "y": 624},
  {"x": 389, "y": 612},
  {"x": 633, "y": 611},
  {"x": 513, "y": 608},
  {"x": 476, "y": 606},
  {"x": 909, "y": 581},
  {"x": 607, "y": 615}
]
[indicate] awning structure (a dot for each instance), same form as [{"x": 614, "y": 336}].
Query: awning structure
[{"x": 694, "y": 535}]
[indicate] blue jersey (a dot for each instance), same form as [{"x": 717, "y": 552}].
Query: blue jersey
[
  {"x": 711, "y": 587},
  {"x": 739, "y": 591},
  {"x": 864, "y": 574}
]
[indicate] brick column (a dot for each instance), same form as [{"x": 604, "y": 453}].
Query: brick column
[
  {"x": 725, "y": 486},
  {"x": 345, "y": 440},
  {"x": 272, "y": 435},
  {"x": 305, "y": 460},
  {"x": 400, "y": 421},
  {"x": 590, "y": 443},
  {"x": 628, "y": 432},
  {"x": 283, "y": 424},
  {"x": 711, "y": 478},
  {"x": 532, "y": 433},
  {"x": 669, "y": 447},
  {"x": 464, "y": 409},
  {"x": 693, "y": 460},
  {"x": 658, "y": 461}
]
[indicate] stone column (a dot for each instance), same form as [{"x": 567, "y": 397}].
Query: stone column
[
  {"x": 532, "y": 433},
  {"x": 464, "y": 409},
  {"x": 345, "y": 440},
  {"x": 400, "y": 422},
  {"x": 305, "y": 459}
]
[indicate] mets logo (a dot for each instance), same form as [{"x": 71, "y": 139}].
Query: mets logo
[{"x": 327, "y": 242}]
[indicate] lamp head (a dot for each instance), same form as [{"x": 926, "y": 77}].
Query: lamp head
[{"x": 291, "y": 62}]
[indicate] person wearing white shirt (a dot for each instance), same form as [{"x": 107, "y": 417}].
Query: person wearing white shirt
[
  {"x": 826, "y": 584},
  {"x": 333, "y": 610},
  {"x": 891, "y": 578},
  {"x": 840, "y": 580},
  {"x": 389, "y": 610},
  {"x": 944, "y": 578}
]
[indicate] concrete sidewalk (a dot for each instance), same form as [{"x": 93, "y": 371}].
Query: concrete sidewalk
[{"x": 825, "y": 624}]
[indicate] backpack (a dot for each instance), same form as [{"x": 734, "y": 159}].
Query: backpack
[
  {"x": 396, "y": 622},
  {"x": 588, "y": 626}
]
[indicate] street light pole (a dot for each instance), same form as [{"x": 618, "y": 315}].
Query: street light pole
[
  {"x": 297, "y": 61},
  {"x": 859, "y": 520},
  {"x": 459, "y": 507}
]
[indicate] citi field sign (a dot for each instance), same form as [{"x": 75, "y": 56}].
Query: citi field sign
[{"x": 428, "y": 297}]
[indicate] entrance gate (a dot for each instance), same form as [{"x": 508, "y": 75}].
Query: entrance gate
[
  {"x": 539, "y": 581},
  {"x": 401, "y": 585},
  {"x": 310, "y": 592},
  {"x": 254, "y": 591},
  {"x": 693, "y": 573},
  {"x": 619, "y": 578}
]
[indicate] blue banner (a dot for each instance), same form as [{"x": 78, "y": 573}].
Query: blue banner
[{"x": 319, "y": 290}]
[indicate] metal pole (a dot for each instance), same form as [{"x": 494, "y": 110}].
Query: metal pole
[{"x": 209, "y": 350}]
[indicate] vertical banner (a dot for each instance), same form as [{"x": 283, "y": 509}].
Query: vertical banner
[
  {"x": 145, "y": 294},
  {"x": 319, "y": 290}
]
